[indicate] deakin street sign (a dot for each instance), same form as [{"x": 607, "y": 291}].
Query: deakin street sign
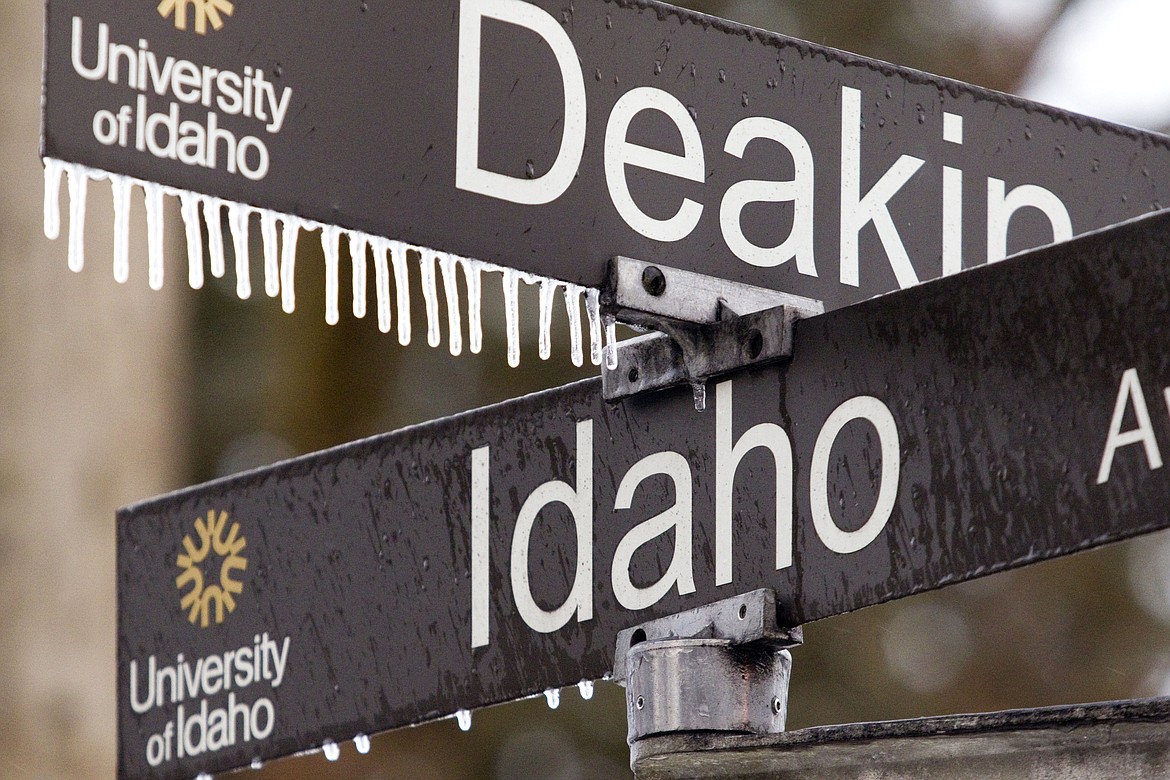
[
  {"x": 637, "y": 129},
  {"x": 918, "y": 439}
]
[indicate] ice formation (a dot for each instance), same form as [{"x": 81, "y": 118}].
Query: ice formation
[{"x": 391, "y": 263}]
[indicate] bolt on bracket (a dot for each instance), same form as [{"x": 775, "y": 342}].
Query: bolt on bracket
[
  {"x": 724, "y": 667},
  {"x": 703, "y": 327}
]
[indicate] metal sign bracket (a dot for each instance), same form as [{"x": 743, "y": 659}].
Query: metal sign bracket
[
  {"x": 724, "y": 667},
  {"x": 701, "y": 327}
]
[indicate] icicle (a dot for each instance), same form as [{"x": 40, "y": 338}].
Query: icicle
[
  {"x": 586, "y": 689},
  {"x": 190, "y": 210},
  {"x": 331, "y": 750},
  {"x": 288, "y": 262},
  {"x": 78, "y": 184},
  {"x": 154, "y": 234},
  {"x": 471, "y": 272},
  {"x": 238, "y": 223},
  {"x": 362, "y": 743},
  {"x": 553, "y": 697},
  {"x": 426, "y": 267},
  {"x": 451, "y": 288},
  {"x": 548, "y": 289},
  {"x": 121, "y": 188},
  {"x": 382, "y": 283},
  {"x": 271, "y": 253},
  {"x": 463, "y": 718},
  {"x": 573, "y": 308},
  {"x": 610, "y": 344},
  {"x": 402, "y": 288},
  {"x": 593, "y": 311},
  {"x": 357, "y": 255},
  {"x": 329, "y": 236},
  {"x": 512, "y": 315},
  {"x": 699, "y": 391},
  {"x": 211, "y": 215},
  {"x": 53, "y": 170}
]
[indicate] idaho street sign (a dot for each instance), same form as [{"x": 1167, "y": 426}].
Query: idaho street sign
[
  {"x": 922, "y": 438},
  {"x": 549, "y": 137}
]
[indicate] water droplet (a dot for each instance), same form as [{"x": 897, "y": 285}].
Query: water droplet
[
  {"x": 256, "y": 764},
  {"x": 694, "y": 112},
  {"x": 362, "y": 743},
  {"x": 608, "y": 22},
  {"x": 530, "y": 169},
  {"x": 657, "y": 67},
  {"x": 889, "y": 93},
  {"x": 1096, "y": 165},
  {"x": 1027, "y": 132},
  {"x": 203, "y": 776},
  {"x": 553, "y": 697},
  {"x": 597, "y": 74},
  {"x": 1060, "y": 151},
  {"x": 426, "y": 564},
  {"x": 771, "y": 83},
  {"x": 694, "y": 70},
  {"x": 722, "y": 76},
  {"x": 463, "y": 718},
  {"x": 586, "y": 689},
  {"x": 744, "y": 99},
  {"x": 365, "y": 7},
  {"x": 331, "y": 750}
]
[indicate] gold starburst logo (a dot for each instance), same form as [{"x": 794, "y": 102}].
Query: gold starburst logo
[
  {"x": 204, "y": 11},
  {"x": 205, "y": 592}
]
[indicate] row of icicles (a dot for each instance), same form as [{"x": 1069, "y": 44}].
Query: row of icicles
[
  {"x": 361, "y": 742},
  {"x": 279, "y": 234}
]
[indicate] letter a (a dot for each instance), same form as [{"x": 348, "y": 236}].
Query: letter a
[
  {"x": 1129, "y": 393},
  {"x": 468, "y": 175}
]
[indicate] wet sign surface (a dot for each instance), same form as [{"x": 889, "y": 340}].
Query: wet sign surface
[
  {"x": 919, "y": 439},
  {"x": 636, "y": 129}
]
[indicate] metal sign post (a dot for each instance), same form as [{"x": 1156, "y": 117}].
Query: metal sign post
[
  {"x": 915, "y": 440},
  {"x": 636, "y": 128}
]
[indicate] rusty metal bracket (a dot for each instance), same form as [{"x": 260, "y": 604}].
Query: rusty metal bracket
[
  {"x": 724, "y": 667},
  {"x": 701, "y": 327}
]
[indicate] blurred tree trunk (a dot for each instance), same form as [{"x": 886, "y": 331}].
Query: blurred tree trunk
[{"x": 88, "y": 394}]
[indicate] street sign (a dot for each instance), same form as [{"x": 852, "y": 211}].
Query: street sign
[
  {"x": 915, "y": 440},
  {"x": 634, "y": 128}
]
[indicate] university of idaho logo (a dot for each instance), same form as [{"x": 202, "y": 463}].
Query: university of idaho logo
[
  {"x": 205, "y": 11},
  {"x": 206, "y": 592}
]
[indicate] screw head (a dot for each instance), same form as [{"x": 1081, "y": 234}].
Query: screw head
[
  {"x": 653, "y": 281},
  {"x": 640, "y": 703},
  {"x": 776, "y": 705},
  {"x": 755, "y": 344}
]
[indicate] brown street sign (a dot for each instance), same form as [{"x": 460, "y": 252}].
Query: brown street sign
[
  {"x": 549, "y": 137},
  {"x": 922, "y": 438}
]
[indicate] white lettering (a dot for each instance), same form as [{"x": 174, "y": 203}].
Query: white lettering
[
  {"x": 1130, "y": 394},
  {"x": 619, "y": 153},
  {"x": 680, "y": 573},
  {"x": 878, "y": 414},
  {"x": 799, "y": 191},
  {"x": 480, "y": 539},
  {"x": 468, "y": 175},
  {"x": 580, "y": 504},
  {"x": 727, "y": 459},
  {"x": 857, "y": 211},
  {"x": 1001, "y": 208}
]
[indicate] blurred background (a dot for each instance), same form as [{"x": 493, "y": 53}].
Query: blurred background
[{"x": 110, "y": 394}]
